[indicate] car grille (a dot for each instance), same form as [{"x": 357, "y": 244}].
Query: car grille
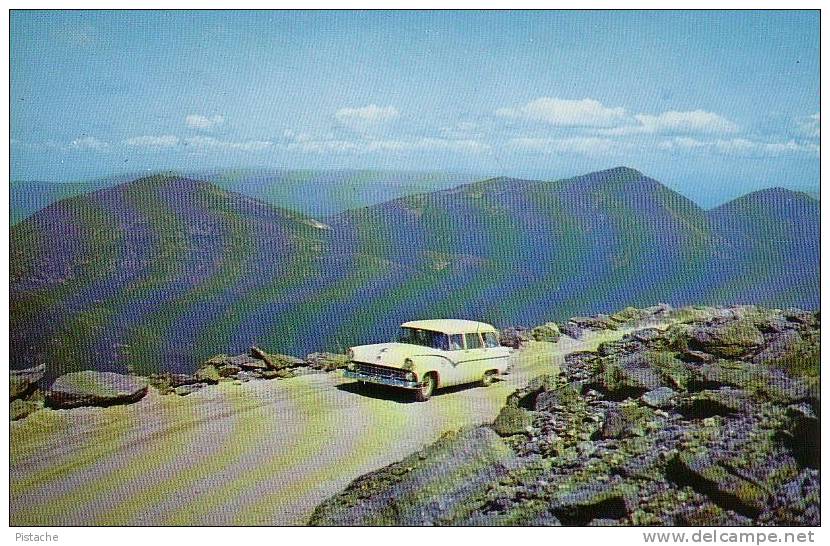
[{"x": 381, "y": 371}]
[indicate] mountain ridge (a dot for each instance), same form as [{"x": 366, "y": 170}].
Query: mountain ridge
[{"x": 164, "y": 271}]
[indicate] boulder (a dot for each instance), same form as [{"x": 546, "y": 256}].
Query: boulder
[
  {"x": 19, "y": 409},
  {"x": 229, "y": 370},
  {"x": 91, "y": 388},
  {"x": 327, "y": 361},
  {"x": 246, "y": 362},
  {"x": 18, "y": 387},
  {"x": 597, "y": 502},
  {"x": 628, "y": 376},
  {"x": 625, "y": 422},
  {"x": 184, "y": 390},
  {"x": 629, "y": 314},
  {"x": 570, "y": 329},
  {"x": 22, "y": 382},
  {"x": 178, "y": 379},
  {"x": 546, "y": 332},
  {"x": 431, "y": 487},
  {"x": 661, "y": 397},
  {"x": 732, "y": 339},
  {"x": 715, "y": 481},
  {"x": 802, "y": 433},
  {"x": 708, "y": 403},
  {"x": 276, "y": 361},
  {"x": 514, "y": 336},
  {"x": 208, "y": 374},
  {"x": 512, "y": 420}
]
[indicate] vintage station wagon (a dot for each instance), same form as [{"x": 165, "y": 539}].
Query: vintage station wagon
[{"x": 429, "y": 354}]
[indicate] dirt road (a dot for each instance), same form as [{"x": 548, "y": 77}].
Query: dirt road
[{"x": 260, "y": 453}]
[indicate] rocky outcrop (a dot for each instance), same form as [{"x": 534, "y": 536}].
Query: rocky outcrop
[
  {"x": 433, "y": 486},
  {"x": 714, "y": 421},
  {"x": 89, "y": 388}
]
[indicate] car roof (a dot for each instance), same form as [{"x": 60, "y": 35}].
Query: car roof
[{"x": 450, "y": 326}]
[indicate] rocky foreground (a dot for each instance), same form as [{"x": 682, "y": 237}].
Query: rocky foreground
[{"x": 712, "y": 421}]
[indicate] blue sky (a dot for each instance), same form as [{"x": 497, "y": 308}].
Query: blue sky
[{"x": 713, "y": 104}]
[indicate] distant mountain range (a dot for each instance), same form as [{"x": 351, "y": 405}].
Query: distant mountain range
[
  {"x": 162, "y": 272},
  {"x": 334, "y": 190}
]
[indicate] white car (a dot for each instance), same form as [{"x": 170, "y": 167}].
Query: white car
[{"x": 429, "y": 354}]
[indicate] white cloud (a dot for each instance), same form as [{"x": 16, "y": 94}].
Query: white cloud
[
  {"x": 744, "y": 147},
  {"x": 682, "y": 143},
  {"x": 148, "y": 141},
  {"x": 366, "y": 115},
  {"x": 696, "y": 121},
  {"x": 89, "y": 143},
  {"x": 308, "y": 143},
  {"x": 210, "y": 142},
  {"x": 810, "y": 126},
  {"x": 462, "y": 130},
  {"x": 203, "y": 122},
  {"x": 573, "y": 145},
  {"x": 739, "y": 147},
  {"x": 568, "y": 113}
]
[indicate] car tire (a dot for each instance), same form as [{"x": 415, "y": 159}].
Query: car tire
[
  {"x": 424, "y": 392},
  {"x": 488, "y": 378}
]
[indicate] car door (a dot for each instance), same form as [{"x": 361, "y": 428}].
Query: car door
[
  {"x": 475, "y": 358},
  {"x": 455, "y": 372}
]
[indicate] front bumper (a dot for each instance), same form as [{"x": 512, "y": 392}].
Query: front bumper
[{"x": 369, "y": 378}]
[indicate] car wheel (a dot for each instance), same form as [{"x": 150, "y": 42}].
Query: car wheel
[
  {"x": 424, "y": 392},
  {"x": 488, "y": 378}
]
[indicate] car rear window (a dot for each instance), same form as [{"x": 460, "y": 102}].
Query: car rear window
[
  {"x": 490, "y": 339},
  {"x": 473, "y": 341}
]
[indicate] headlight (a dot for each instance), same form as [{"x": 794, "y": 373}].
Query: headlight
[
  {"x": 351, "y": 366},
  {"x": 410, "y": 376},
  {"x": 408, "y": 364}
]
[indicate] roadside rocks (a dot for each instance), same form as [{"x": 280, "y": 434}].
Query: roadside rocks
[
  {"x": 712, "y": 421},
  {"x": 661, "y": 397},
  {"x": 546, "y": 332},
  {"x": 91, "y": 388},
  {"x": 514, "y": 336},
  {"x": 23, "y": 382},
  {"x": 327, "y": 361},
  {"x": 432, "y": 487},
  {"x": 719, "y": 482},
  {"x": 20, "y": 408}
]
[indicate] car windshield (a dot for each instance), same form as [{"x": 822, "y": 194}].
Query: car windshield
[{"x": 427, "y": 338}]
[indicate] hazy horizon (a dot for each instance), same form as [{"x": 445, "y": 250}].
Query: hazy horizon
[{"x": 713, "y": 104}]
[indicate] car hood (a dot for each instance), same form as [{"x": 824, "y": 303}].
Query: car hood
[{"x": 390, "y": 354}]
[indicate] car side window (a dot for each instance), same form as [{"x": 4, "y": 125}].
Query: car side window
[
  {"x": 491, "y": 339},
  {"x": 456, "y": 342},
  {"x": 473, "y": 341}
]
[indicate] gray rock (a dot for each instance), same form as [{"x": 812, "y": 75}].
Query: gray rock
[
  {"x": 91, "y": 388},
  {"x": 19, "y": 409},
  {"x": 661, "y": 397},
  {"x": 229, "y": 370},
  {"x": 572, "y": 330},
  {"x": 514, "y": 336},
  {"x": 178, "y": 379},
  {"x": 22, "y": 382},
  {"x": 327, "y": 361},
  {"x": 184, "y": 390},
  {"x": 246, "y": 362},
  {"x": 708, "y": 403},
  {"x": 426, "y": 488},
  {"x": 713, "y": 480}
]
